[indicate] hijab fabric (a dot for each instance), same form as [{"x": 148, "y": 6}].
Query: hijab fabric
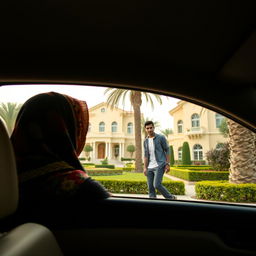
[{"x": 49, "y": 135}]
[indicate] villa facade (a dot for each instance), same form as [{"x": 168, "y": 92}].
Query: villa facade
[
  {"x": 196, "y": 125},
  {"x": 110, "y": 132}
]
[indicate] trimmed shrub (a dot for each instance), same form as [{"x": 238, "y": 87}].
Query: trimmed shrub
[
  {"x": 186, "y": 159},
  {"x": 110, "y": 166},
  {"x": 103, "y": 172},
  {"x": 131, "y": 149},
  {"x": 140, "y": 187},
  {"x": 224, "y": 191},
  {"x": 127, "y": 159},
  {"x": 105, "y": 161},
  {"x": 198, "y": 175},
  {"x": 128, "y": 169},
  {"x": 198, "y": 162},
  {"x": 171, "y": 156},
  {"x": 195, "y": 167}
]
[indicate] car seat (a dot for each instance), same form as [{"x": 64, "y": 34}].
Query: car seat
[{"x": 25, "y": 239}]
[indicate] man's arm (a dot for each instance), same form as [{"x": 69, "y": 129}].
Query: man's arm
[{"x": 145, "y": 166}]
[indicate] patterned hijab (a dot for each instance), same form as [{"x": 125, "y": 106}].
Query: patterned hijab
[{"x": 49, "y": 135}]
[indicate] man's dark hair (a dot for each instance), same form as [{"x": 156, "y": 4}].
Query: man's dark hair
[{"x": 148, "y": 123}]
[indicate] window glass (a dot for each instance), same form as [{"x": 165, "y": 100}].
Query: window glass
[
  {"x": 198, "y": 152},
  {"x": 129, "y": 128},
  {"x": 195, "y": 121},
  {"x": 218, "y": 120},
  {"x": 203, "y": 140},
  {"x": 114, "y": 127},
  {"x": 180, "y": 126},
  {"x": 101, "y": 127}
]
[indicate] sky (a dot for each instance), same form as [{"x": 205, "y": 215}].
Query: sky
[{"x": 93, "y": 96}]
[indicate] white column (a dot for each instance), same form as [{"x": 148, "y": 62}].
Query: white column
[
  {"x": 94, "y": 150},
  {"x": 120, "y": 151},
  {"x": 110, "y": 151},
  {"x": 107, "y": 150},
  {"x": 91, "y": 153}
]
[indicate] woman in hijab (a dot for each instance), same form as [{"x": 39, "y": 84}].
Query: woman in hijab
[{"x": 48, "y": 137}]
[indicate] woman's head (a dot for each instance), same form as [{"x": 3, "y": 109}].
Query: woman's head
[{"x": 50, "y": 127}]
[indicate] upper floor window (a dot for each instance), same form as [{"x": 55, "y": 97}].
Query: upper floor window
[
  {"x": 195, "y": 121},
  {"x": 180, "y": 126},
  {"x": 102, "y": 110},
  {"x": 89, "y": 127},
  {"x": 198, "y": 152},
  {"x": 218, "y": 120},
  {"x": 114, "y": 127},
  {"x": 102, "y": 127},
  {"x": 129, "y": 128}
]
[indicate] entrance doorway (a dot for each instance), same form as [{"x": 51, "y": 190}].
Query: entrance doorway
[{"x": 101, "y": 151}]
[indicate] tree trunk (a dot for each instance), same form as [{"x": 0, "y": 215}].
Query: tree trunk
[
  {"x": 242, "y": 154},
  {"x": 136, "y": 103}
]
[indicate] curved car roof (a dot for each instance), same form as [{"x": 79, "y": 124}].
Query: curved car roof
[{"x": 202, "y": 51}]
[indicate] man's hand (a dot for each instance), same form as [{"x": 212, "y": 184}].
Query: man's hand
[
  {"x": 145, "y": 171},
  {"x": 167, "y": 168}
]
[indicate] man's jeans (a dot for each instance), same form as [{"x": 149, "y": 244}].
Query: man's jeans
[{"x": 154, "y": 178}]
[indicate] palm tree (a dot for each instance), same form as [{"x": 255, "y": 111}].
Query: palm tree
[
  {"x": 242, "y": 144},
  {"x": 135, "y": 97},
  {"x": 8, "y": 113},
  {"x": 166, "y": 132},
  {"x": 144, "y": 120}
]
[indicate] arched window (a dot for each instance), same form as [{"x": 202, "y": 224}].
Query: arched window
[
  {"x": 195, "y": 121},
  {"x": 114, "y": 127},
  {"x": 89, "y": 127},
  {"x": 129, "y": 128},
  {"x": 198, "y": 152},
  {"x": 102, "y": 127},
  {"x": 102, "y": 110},
  {"x": 218, "y": 120},
  {"x": 180, "y": 126},
  {"x": 180, "y": 153}
]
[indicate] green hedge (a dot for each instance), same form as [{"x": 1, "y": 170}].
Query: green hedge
[
  {"x": 127, "y": 159},
  {"x": 140, "y": 187},
  {"x": 189, "y": 166},
  {"x": 198, "y": 175},
  {"x": 110, "y": 166},
  {"x": 128, "y": 169},
  {"x": 95, "y": 172},
  {"x": 195, "y": 168},
  {"x": 224, "y": 191}
]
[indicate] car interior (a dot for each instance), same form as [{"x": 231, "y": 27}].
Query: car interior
[{"x": 203, "y": 52}]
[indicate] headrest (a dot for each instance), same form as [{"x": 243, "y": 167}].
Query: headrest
[{"x": 8, "y": 175}]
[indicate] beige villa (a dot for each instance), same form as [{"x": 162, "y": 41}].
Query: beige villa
[
  {"x": 196, "y": 125},
  {"x": 110, "y": 132}
]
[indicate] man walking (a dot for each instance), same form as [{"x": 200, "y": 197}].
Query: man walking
[{"x": 156, "y": 161}]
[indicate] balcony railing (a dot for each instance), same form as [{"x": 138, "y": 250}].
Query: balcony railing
[{"x": 195, "y": 132}]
